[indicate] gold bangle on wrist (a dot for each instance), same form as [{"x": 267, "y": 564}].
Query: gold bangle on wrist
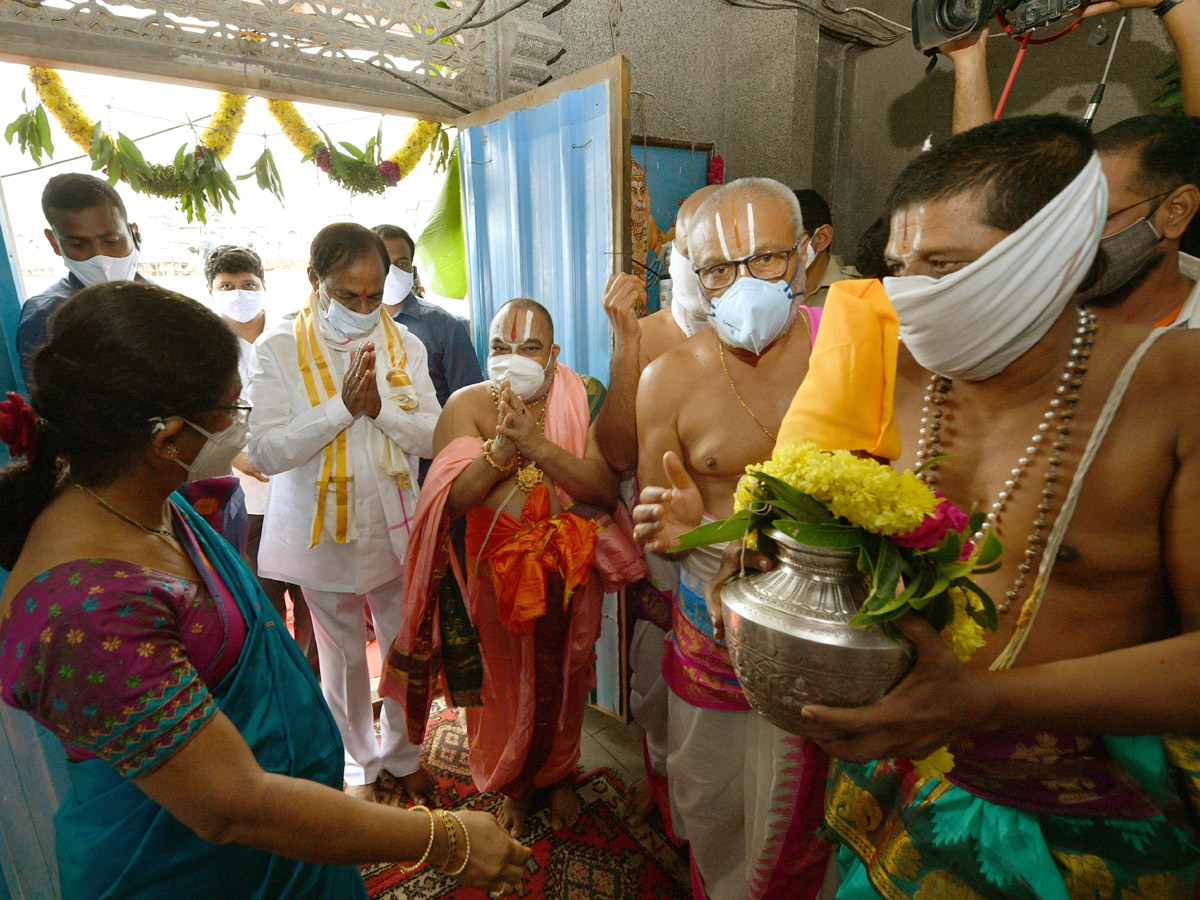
[
  {"x": 467, "y": 838},
  {"x": 424, "y": 856},
  {"x": 451, "y": 839},
  {"x": 491, "y": 461}
]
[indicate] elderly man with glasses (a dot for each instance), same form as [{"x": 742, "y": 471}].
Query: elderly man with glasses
[{"x": 745, "y": 795}]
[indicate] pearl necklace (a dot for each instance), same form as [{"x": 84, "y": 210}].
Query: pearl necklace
[{"x": 1062, "y": 408}]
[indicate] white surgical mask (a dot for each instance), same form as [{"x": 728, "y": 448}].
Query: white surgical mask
[
  {"x": 216, "y": 455},
  {"x": 240, "y": 305},
  {"x": 397, "y": 287},
  {"x": 524, "y": 375},
  {"x": 101, "y": 269},
  {"x": 688, "y": 306},
  {"x": 810, "y": 256},
  {"x": 975, "y": 322},
  {"x": 348, "y": 323}
]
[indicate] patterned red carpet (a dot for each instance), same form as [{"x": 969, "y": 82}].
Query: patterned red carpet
[{"x": 601, "y": 857}]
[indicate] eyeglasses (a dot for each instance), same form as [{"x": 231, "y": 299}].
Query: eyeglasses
[{"x": 766, "y": 265}]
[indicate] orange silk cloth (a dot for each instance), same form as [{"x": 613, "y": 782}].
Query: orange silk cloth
[
  {"x": 846, "y": 401},
  {"x": 522, "y": 553}
]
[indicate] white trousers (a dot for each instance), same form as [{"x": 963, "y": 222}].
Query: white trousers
[
  {"x": 648, "y": 691},
  {"x": 340, "y": 630}
]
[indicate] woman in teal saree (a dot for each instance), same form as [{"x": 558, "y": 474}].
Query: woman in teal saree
[{"x": 203, "y": 761}]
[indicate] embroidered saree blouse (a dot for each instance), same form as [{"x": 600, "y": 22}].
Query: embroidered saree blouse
[{"x": 117, "y": 660}]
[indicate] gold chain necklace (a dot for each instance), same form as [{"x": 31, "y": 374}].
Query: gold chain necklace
[
  {"x": 163, "y": 534},
  {"x": 733, "y": 387}
]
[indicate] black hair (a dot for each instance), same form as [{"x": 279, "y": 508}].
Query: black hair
[
  {"x": 869, "y": 256},
  {"x": 814, "y": 209},
  {"x": 1018, "y": 164},
  {"x": 533, "y": 306},
  {"x": 75, "y": 190},
  {"x": 1169, "y": 151},
  {"x": 392, "y": 232},
  {"x": 337, "y": 245},
  {"x": 121, "y": 354},
  {"x": 230, "y": 259}
]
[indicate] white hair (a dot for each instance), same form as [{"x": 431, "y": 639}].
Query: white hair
[{"x": 747, "y": 188}]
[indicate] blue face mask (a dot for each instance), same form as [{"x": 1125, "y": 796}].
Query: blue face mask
[
  {"x": 348, "y": 323},
  {"x": 752, "y": 312}
]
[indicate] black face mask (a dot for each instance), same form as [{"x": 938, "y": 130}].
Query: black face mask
[{"x": 1122, "y": 257}]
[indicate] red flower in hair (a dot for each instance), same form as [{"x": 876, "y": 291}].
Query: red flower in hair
[{"x": 18, "y": 426}]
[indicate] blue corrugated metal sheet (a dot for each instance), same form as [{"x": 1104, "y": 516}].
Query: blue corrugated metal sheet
[{"x": 538, "y": 200}]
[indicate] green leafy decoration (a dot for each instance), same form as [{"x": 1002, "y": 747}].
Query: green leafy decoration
[{"x": 31, "y": 130}]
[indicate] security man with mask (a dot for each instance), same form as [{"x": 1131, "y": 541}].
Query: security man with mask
[
  {"x": 90, "y": 230},
  {"x": 1152, "y": 164}
]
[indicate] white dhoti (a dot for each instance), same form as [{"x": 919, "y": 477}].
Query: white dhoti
[{"x": 747, "y": 796}]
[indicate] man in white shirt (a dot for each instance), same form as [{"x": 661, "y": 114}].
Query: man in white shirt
[
  {"x": 237, "y": 283},
  {"x": 343, "y": 409}
]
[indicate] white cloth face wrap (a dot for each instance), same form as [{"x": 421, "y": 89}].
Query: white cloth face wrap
[
  {"x": 975, "y": 322},
  {"x": 689, "y": 307}
]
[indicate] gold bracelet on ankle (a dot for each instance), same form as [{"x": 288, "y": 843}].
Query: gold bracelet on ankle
[
  {"x": 424, "y": 856},
  {"x": 467, "y": 838},
  {"x": 491, "y": 460}
]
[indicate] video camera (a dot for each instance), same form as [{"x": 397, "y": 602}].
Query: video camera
[{"x": 936, "y": 22}]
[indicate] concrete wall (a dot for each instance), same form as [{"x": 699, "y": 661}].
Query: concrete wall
[
  {"x": 893, "y": 106},
  {"x": 778, "y": 101},
  {"x": 706, "y": 71}
]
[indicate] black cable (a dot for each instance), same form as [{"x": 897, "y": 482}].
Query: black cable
[
  {"x": 459, "y": 27},
  {"x": 497, "y": 17},
  {"x": 420, "y": 87}
]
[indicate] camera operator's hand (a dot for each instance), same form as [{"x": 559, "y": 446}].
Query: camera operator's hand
[
  {"x": 1100, "y": 7},
  {"x": 973, "y": 44}
]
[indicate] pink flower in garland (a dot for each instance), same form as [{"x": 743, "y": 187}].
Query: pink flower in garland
[
  {"x": 390, "y": 171},
  {"x": 323, "y": 159},
  {"x": 716, "y": 170},
  {"x": 945, "y": 518}
]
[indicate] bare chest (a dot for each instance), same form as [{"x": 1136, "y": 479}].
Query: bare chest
[{"x": 1018, "y": 465}]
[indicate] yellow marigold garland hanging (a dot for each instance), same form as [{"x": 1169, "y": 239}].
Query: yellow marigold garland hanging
[
  {"x": 222, "y": 129},
  {"x": 359, "y": 171},
  {"x": 59, "y": 103},
  {"x": 196, "y": 177}
]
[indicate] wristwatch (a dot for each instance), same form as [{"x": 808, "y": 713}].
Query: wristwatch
[{"x": 1165, "y": 7}]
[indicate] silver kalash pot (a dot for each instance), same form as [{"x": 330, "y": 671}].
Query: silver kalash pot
[{"x": 791, "y": 641}]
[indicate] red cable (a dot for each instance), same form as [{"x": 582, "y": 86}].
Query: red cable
[{"x": 1012, "y": 75}]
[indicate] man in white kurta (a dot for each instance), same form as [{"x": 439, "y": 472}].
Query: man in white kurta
[{"x": 343, "y": 480}]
